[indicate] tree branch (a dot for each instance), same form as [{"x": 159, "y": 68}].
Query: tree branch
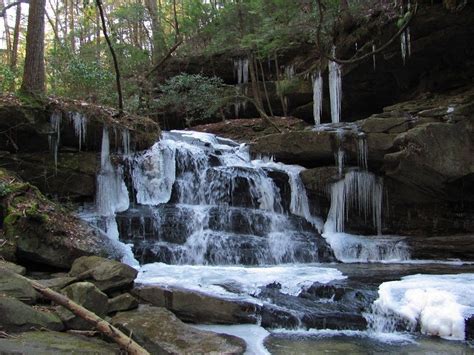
[{"x": 3, "y": 12}]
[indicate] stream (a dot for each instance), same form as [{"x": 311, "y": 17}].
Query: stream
[{"x": 196, "y": 211}]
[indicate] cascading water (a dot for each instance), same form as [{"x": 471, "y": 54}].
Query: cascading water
[
  {"x": 317, "y": 97},
  {"x": 231, "y": 207}
]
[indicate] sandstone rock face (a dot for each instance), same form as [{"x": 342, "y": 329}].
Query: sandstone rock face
[
  {"x": 196, "y": 307},
  {"x": 107, "y": 275},
  {"x": 17, "y": 317},
  {"x": 41, "y": 342},
  {"x": 160, "y": 332}
]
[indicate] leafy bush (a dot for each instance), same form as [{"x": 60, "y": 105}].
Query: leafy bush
[
  {"x": 194, "y": 98},
  {"x": 7, "y": 78}
]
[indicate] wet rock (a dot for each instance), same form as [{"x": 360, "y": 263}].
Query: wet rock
[
  {"x": 57, "y": 283},
  {"x": 469, "y": 328},
  {"x": 160, "y": 332},
  {"x": 442, "y": 247},
  {"x": 15, "y": 286},
  {"x": 196, "y": 307},
  {"x": 107, "y": 275},
  {"x": 121, "y": 303},
  {"x": 17, "y": 317},
  {"x": 40, "y": 342}
]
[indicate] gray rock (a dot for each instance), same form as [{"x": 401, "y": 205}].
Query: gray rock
[
  {"x": 17, "y": 269},
  {"x": 124, "y": 302},
  {"x": 17, "y": 317},
  {"x": 196, "y": 307},
  {"x": 107, "y": 275},
  {"x": 15, "y": 286},
  {"x": 160, "y": 332}
]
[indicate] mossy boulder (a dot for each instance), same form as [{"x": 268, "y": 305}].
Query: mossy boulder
[
  {"x": 43, "y": 232},
  {"x": 123, "y": 302},
  {"x": 160, "y": 332},
  {"x": 16, "y": 286},
  {"x": 107, "y": 275},
  {"x": 18, "y": 317},
  {"x": 88, "y": 296}
]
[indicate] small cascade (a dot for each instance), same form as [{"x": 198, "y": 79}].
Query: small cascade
[
  {"x": 339, "y": 157},
  {"x": 79, "y": 122},
  {"x": 224, "y": 208},
  {"x": 362, "y": 152},
  {"x": 335, "y": 89},
  {"x": 55, "y": 137},
  {"x": 317, "y": 97}
]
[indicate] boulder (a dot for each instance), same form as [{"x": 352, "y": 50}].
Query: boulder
[
  {"x": 121, "y": 303},
  {"x": 196, "y": 307},
  {"x": 44, "y": 232},
  {"x": 88, "y": 296},
  {"x": 107, "y": 275},
  {"x": 17, "y": 269},
  {"x": 57, "y": 283},
  {"x": 15, "y": 286},
  {"x": 160, "y": 332},
  {"x": 38, "y": 342},
  {"x": 18, "y": 317}
]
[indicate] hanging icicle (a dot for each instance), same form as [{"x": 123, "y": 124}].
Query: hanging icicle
[
  {"x": 335, "y": 88},
  {"x": 373, "y": 57},
  {"x": 317, "y": 97}
]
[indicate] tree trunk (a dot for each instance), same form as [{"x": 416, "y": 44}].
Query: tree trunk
[
  {"x": 158, "y": 44},
  {"x": 16, "y": 38},
  {"x": 34, "y": 73}
]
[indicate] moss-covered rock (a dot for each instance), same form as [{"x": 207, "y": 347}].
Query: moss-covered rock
[
  {"x": 42, "y": 231},
  {"x": 123, "y": 302},
  {"x": 15, "y": 286},
  {"x": 107, "y": 275},
  {"x": 17, "y": 317},
  {"x": 160, "y": 332}
]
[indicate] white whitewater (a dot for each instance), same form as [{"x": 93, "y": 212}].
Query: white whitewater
[
  {"x": 335, "y": 89},
  {"x": 438, "y": 304},
  {"x": 317, "y": 97}
]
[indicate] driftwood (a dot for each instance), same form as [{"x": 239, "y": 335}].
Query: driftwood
[{"x": 123, "y": 341}]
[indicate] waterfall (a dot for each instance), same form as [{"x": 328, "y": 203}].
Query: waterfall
[
  {"x": 126, "y": 142},
  {"x": 317, "y": 97},
  {"x": 373, "y": 57},
  {"x": 362, "y": 152},
  {"x": 79, "y": 122},
  {"x": 335, "y": 89},
  {"x": 54, "y": 137},
  {"x": 225, "y": 208}
]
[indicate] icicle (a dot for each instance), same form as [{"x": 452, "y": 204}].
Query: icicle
[
  {"x": 317, "y": 97},
  {"x": 359, "y": 190},
  {"x": 290, "y": 72},
  {"x": 112, "y": 194},
  {"x": 241, "y": 70},
  {"x": 403, "y": 43},
  {"x": 408, "y": 39},
  {"x": 335, "y": 89},
  {"x": 245, "y": 71},
  {"x": 54, "y": 138},
  {"x": 340, "y": 161},
  {"x": 126, "y": 142},
  {"x": 362, "y": 152},
  {"x": 373, "y": 57},
  {"x": 79, "y": 122}
]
